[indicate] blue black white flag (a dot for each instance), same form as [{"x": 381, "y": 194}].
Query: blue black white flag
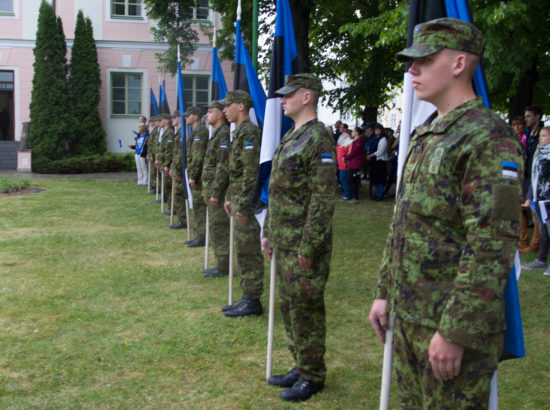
[
  {"x": 283, "y": 63},
  {"x": 163, "y": 101},
  {"x": 183, "y": 134},
  {"x": 153, "y": 106},
  {"x": 246, "y": 78},
  {"x": 219, "y": 88}
]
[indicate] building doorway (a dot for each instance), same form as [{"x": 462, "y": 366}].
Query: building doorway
[{"x": 6, "y": 106}]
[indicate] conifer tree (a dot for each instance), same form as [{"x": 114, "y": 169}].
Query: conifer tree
[
  {"x": 49, "y": 102},
  {"x": 87, "y": 135}
]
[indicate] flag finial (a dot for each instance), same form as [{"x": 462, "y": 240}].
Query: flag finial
[
  {"x": 239, "y": 10},
  {"x": 179, "y": 55}
]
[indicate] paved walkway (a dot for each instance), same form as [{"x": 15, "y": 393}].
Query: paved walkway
[{"x": 105, "y": 175}]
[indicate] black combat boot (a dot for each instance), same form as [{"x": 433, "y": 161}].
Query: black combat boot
[
  {"x": 302, "y": 390},
  {"x": 249, "y": 307},
  {"x": 284, "y": 380}
]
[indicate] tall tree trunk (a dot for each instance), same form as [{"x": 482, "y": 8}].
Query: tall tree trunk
[
  {"x": 524, "y": 93},
  {"x": 369, "y": 114}
]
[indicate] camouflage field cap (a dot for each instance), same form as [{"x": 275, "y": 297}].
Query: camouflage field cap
[
  {"x": 193, "y": 110},
  {"x": 154, "y": 118},
  {"x": 304, "y": 80},
  {"x": 435, "y": 35},
  {"x": 163, "y": 117},
  {"x": 239, "y": 97},
  {"x": 216, "y": 104},
  {"x": 175, "y": 114}
]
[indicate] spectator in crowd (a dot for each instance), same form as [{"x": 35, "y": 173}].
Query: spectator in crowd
[
  {"x": 354, "y": 160},
  {"x": 540, "y": 191},
  {"x": 366, "y": 136},
  {"x": 336, "y": 133},
  {"x": 343, "y": 130},
  {"x": 343, "y": 172},
  {"x": 392, "y": 162},
  {"x": 533, "y": 116},
  {"x": 518, "y": 124},
  {"x": 379, "y": 161},
  {"x": 140, "y": 155}
]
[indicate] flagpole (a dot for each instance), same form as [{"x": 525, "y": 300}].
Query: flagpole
[
  {"x": 187, "y": 219},
  {"x": 207, "y": 239},
  {"x": 231, "y": 234},
  {"x": 387, "y": 366},
  {"x": 172, "y": 201},
  {"x": 162, "y": 192},
  {"x": 271, "y": 317},
  {"x": 148, "y": 176},
  {"x": 157, "y": 185},
  {"x": 255, "y": 34}
]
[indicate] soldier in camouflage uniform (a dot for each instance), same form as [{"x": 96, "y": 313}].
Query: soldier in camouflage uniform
[
  {"x": 196, "y": 147},
  {"x": 299, "y": 228},
  {"x": 176, "y": 172},
  {"x": 151, "y": 152},
  {"x": 164, "y": 157},
  {"x": 215, "y": 171},
  {"x": 452, "y": 240},
  {"x": 244, "y": 162}
]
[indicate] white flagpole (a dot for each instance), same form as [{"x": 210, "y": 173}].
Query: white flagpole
[
  {"x": 493, "y": 398},
  {"x": 231, "y": 234},
  {"x": 187, "y": 219},
  {"x": 157, "y": 186},
  {"x": 162, "y": 192},
  {"x": 173, "y": 194},
  {"x": 148, "y": 176},
  {"x": 386, "y": 369},
  {"x": 207, "y": 240},
  {"x": 271, "y": 317}
]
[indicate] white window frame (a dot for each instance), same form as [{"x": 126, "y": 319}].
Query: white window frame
[
  {"x": 124, "y": 19},
  {"x": 144, "y": 96},
  {"x": 208, "y": 18},
  {"x": 195, "y": 75},
  {"x": 14, "y": 14}
]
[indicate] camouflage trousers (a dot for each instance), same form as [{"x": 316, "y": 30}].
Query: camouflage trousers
[
  {"x": 199, "y": 214},
  {"x": 250, "y": 261},
  {"x": 219, "y": 234},
  {"x": 179, "y": 201},
  {"x": 417, "y": 386},
  {"x": 152, "y": 175},
  {"x": 301, "y": 296}
]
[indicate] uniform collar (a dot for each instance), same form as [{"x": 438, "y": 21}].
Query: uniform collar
[
  {"x": 441, "y": 126},
  {"x": 295, "y": 134}
]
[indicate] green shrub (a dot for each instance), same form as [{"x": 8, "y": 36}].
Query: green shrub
[
  {"x": 86, "y": 164},
  {"x": 13, "y": 184}
]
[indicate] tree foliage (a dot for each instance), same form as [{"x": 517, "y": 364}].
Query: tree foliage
[
  {"x": 87, "y": 136},
  {"x": 174, "y": 27},
  {"x": 48, "y": 107}
]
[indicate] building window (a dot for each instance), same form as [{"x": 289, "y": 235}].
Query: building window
[
  {"x": 126, "y": 93},
  {"x": 6, "y": 7},
  {"x": 201, "y": 12},
  {"x": 6, "y": 80},
  {"x": 393, "y": 121},
  {"x": 126, "y": 8},
  {"x": 196, "y": 90}
]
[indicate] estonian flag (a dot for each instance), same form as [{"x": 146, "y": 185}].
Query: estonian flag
[
  {"x": 153, "y": 106},
  {"x": 246, "y": 78},
  {"x": 164, "y": 107},
  {"x": 415, "y": 112},
  {"x": 219, "y": 88},
  {"x": 183, "y": 135},
  {"x": 283, "y": 63}
]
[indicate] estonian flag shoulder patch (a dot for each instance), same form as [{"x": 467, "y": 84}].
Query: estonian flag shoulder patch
[
  {"x": 326, "y": 158},
  {"x": 197, "y": 138},
  {"x": 248, "y": 145},
  {"x": 223, "y": 145},
  {"x": 510, "y": 170}
]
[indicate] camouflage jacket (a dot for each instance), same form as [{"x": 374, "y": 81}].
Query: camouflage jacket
[
  {"x": 177, "y": 155},
  {"x": 165, "y": 148},
  {"x": 216, "y": 156},
  {"x": 152, "y": 144},
  {"x": 244, "y": 165},
  {"x": 196, "y": 146},
  {"x": 301, "y": 191},
  {"x": 454, "y": 233}
]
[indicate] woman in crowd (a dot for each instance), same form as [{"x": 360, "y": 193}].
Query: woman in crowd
[
  {"x": 354, "y": 160},
  {"x": 341, "y": 150},
  {"x": 540, "y": 191},
  {"x": 379, "y": 160},
  {"x": 141, "y": 154},
  {"x": 518, "y": 124}
]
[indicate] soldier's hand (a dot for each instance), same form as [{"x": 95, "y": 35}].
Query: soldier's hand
[
  {"x": 378, "y": 318},
  {"x": 243, "y": 219},
  {"x": 445, "y": 357},
  {"x": 170, "y": 173},
  {"x": 205, "y": 199},
  {"x": 267, "y": 249},
  {"x": 227, "y": 207},
  {"x": 305, "y": 262},
  {"x": 166, "y": 170},
  {"x": 214, "y": 202},
  {"x": 192, "y": 183},
  {"x": 157, "y": 163}
]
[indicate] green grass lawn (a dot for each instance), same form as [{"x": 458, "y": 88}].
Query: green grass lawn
[{"x": 102, "y": 306}]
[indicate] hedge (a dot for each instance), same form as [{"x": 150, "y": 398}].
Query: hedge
[{"x": 86, "y": 164}]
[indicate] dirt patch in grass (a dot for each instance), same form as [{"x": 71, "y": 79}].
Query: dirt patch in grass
[{"x": 24, "y": 191}]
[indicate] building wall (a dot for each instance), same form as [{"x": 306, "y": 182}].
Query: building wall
[{"x": 123, "y": 46}]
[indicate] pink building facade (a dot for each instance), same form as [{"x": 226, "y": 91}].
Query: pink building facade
[{"x": 126, "y": 54}]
